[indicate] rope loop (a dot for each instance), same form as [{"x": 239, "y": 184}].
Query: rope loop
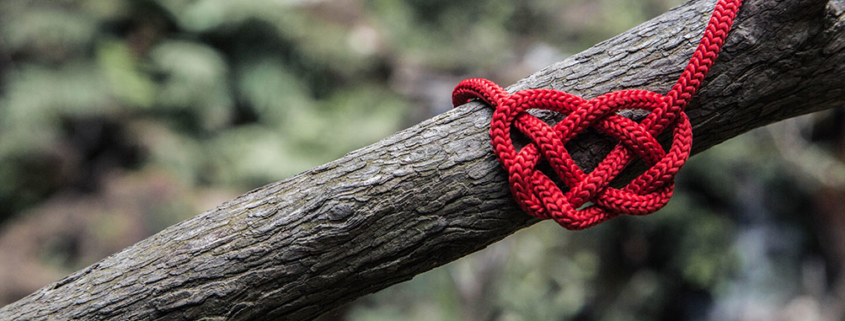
[{"x": 589, "y": 200}]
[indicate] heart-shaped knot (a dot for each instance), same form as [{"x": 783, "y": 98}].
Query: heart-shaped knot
[{"x": 538, "y": 195}]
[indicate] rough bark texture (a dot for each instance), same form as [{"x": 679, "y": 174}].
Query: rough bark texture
[{"x": 434, "y": 192}]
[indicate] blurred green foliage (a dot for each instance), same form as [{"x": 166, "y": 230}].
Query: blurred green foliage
[
  {"x": 119, "y": 118},
  {"x": 215, "y": 92}
]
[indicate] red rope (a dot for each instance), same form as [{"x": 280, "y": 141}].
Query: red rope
[{"x": 538, "y": 195}]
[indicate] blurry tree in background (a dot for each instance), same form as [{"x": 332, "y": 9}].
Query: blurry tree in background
[{"x": 119, "y": 118}]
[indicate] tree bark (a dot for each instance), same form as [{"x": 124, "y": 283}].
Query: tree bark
[{"x": 433, "y": 193}]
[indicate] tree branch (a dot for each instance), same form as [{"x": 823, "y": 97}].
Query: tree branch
[{"x": 435, "y": 192}]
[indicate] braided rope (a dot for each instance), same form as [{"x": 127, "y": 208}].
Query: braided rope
[{"x": 538, "y": 195}]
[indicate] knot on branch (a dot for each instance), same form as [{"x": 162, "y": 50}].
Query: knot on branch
[{"x": 538, "y": 195}]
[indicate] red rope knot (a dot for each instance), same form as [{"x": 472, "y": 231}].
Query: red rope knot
[{"x": 537, "y": 193}]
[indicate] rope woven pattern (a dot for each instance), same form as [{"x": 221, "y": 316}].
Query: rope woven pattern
[{"x": 538, "y": 195}]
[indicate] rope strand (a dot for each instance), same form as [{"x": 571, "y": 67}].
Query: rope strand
[{"x": 538, "y": 195}]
